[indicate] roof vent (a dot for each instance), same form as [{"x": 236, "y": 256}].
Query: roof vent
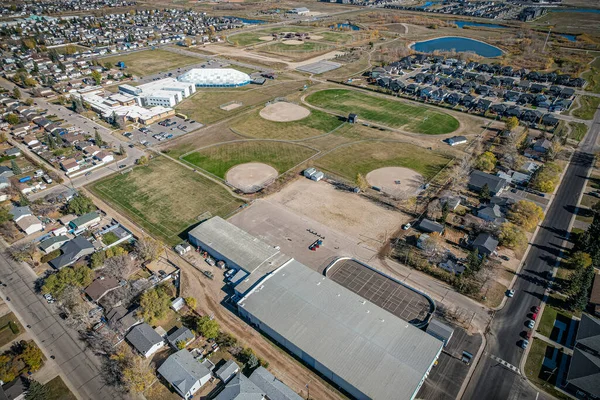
[
  {"x": 363, "y": 302},
  {"x": 382, "y": 320},
  {"x": 368, "y": 311},
  {"x": 338, "y": 295},
  {"x": 318, "y": 283}
]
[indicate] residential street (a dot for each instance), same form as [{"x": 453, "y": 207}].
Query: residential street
[
  {"x": 80, "y": 368},
  {"x": 491, "y": 380}
]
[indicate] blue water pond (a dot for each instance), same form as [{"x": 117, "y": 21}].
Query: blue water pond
[{"x": 459, "y": 44}]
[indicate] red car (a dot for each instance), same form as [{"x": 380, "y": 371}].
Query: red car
[{"x": 534, "y": 316}]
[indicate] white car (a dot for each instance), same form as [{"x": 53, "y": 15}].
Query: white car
[
  {"x": 524, "y": 343},
  {"x": 530, "y": 324},
  {"x": 510, "y": 293},
  {"x": 406, "y": 226}
]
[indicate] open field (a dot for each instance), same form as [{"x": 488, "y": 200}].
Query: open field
[
  {"x": 397, "y": 114},
  {"x": 164, "y": 197},
  {"x": 204, "y": 106},
  {"x": 336, "y": 37},
  {"x": 587, "y": 108},
  {"x": 57, "y": 390},
  {"x": 220, "y": 158},
  {"x": 578, "y": 130},
  {"x": 10, "y": 328},
  {"x": 149, "y": 62},
  {"x": 254, "y": 126},
  {"x": 593, "y": 77},
  {"x": 362, "y": 158}
]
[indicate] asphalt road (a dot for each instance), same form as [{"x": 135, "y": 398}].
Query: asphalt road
[
  {"x": 491, "y": 380},
  {"x": 79, "y": 366}
]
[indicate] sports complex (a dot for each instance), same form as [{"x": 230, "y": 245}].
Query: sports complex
[{"x": 215, "y": 77}]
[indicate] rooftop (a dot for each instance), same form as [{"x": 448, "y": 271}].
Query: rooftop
[
  {"x": 182, "y": 370},
  {"x": 143, "y": 337}
]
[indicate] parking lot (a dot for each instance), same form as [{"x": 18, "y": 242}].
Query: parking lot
[{"x": 156, "y": 133}]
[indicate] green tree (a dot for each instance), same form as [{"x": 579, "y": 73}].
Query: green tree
[
  {"x": 97, "y": 259},
  {"x": 5, "y": 214},
  {"x": 15, "y": 167},
  {"x": 209, "y": 328},
  {"x": 191, "y": 302},
  {"x": 23, "y": 200},
  {"x": 511, "y": 123},
  {"x": 36, "y": 391},
  {"x": 98, "y": 139},
  {"x": 486, "y": 161},
  {"x": 225, "y": 339},
  {"x": 80, "y": 204},
  {"x": 484, "y": 193},
  {"x": 249, "y": 358},
  {"x": 12, "y": 118},
  {"x": 474, "y": 262},
  {"x": 29, "y": 102},
  {"x": 180, "y": 344},
  {"x": 511, "y": 236},
  {"x": 78, "y": 276},
  {"x": 9, "y": 369},
  {"x": 97, "y": 77},
  {"x": 580, "y": 289},
  {"x": 32, "y": 356},
  {"x": 579, "y": 260},
  {"x": 16, "y": 93},
  {"x": 154, "y": 304},
  {"x": 143, "y": 160},
  {"x": 525, "y": 214}
]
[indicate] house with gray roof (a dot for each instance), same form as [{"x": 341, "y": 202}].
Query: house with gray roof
[
  {"x": 53, "y": 243},
  {"x": 184, "y": 373},
  {"x": 429, "y": 226},
  {"x": 274, "y": 389},
  {"x": 241, "y": 388},
  {"x": 85, "y": 220},
  {"x": 120, "y": 319},
  {"x": 491, "y": 213},
  {"x": 20, "y": 212},
  {"x": 479, "y": 179},
  {"x": 5, "y": 171},
  {"x": 182, "y": 334},
  {"x": 72, "y": 251},
  {"x": 145, "y": 339},
  {"x": 485, "y": 243},
  {"x": 584, "y": 371}
]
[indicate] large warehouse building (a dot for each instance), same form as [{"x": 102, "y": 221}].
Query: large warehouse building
[
  {"x": 367, "y": 351},
  {"x": 215, "y": 77},
  {"x": 166, "y": 92}
]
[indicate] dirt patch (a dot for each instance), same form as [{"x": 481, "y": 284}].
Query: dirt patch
[
  {"x": 293, "y": 42},
  {"x": 284, "y": 112},
  {"x": 229, "y": 107},
  {"x": 316, "y": 37},
  {"x": 266, "y": 38},
  {"x": 396, "y": 181},
  {"x": 251, "y": 177}
]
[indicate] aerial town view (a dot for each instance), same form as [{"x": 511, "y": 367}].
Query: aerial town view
[{"x": 299, "y": 199}]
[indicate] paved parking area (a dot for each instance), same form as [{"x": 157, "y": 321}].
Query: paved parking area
[
  {"x": 381, "y": 290},
  {"x": 181, "y": 127},
  {"x": 319, "y": 67}
]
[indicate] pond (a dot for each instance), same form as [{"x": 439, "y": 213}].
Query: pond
[
  {"x": 345, "y": 26},
  {"x": 248, "y": 21},
  {"x": 462, "y": 24},
  {"x": 572, "y": 38},
  {"x": 459, "y": 44},
  {"x": 428, "y": 4}
]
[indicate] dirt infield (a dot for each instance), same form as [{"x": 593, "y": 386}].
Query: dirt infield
[
  {"x": 316, "y": 37},
  {"x": 293, "y": 42},
  {"x": 396, "y": 181},
  {"x": 251, "y": 177},
  {"x": 266, "y": 38},
  {"x": 284, "y": 112}
]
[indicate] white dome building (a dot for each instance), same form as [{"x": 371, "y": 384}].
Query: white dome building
[{"x": 215, "y": 77}]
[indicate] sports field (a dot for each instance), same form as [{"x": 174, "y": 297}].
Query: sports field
[
  {"x": 219, "y": 159},
  {"x": 164, "y": 197},
  {"x": 255, "y": 126},
  {"x": 396, "y": 114},
  {"x": 362, "y": 158},
  {"x": 148, "y": 62},
  {"x": 304, "y": 49},
  {"x": 204, "y": 105},
  {"x": 336, "y": 37}
]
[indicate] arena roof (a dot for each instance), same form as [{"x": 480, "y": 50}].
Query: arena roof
[
  {"x": 215, "y": 77},
  {"x": 378, "y": 353},
  {"x": 237, "y": 245}
]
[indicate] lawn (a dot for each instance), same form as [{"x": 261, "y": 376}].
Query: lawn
[
  {"x": 587, "y": 108},
  {"x": 413, "y": 118},
  {"x": 219, "y": 159},
  {"x": 578, "y": 130},
  {"x": 204, "y": 105},
  {"x": 335, "y": 37},
  {"x": 588, "y": 201},
  {"x": 317, "y": 123},
  {"x": 593, "y": 77},
  {"x": 246, "y": 39},
  {"x": 149, "y": 62},
  {"x": 293, "y": 49},
  {"x": 537, "y": 373},
  {"x": 548, "y": 317},
  {"x": 350, "y": 160},
  {"x": 57, "y": 390},
  {"x": 10, "y": 328},
  {"x": 165, "y": 198}
]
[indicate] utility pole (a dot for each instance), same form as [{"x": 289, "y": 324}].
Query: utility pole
[{"x": 546, "y": 41}]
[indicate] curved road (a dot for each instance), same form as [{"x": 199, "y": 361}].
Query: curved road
[{"x": 491, "y": 379}]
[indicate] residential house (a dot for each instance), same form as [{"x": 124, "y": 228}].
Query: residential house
[
  {"x": 542, "y": 145},
  {"x": 12, "y": 152},
  {"x": 100, "y": 287},
  {"x": 72, "y": 251},
  {"x": 429, "y": 226},
  {"x": 6, "y": 171},
  {"x": 227, "y": 371},
  {"x": 20, "y": 212},
  {"x": 85, "y": 221},
  {"x": 69, "y": 165},
  {"x": 30, "y": 224},
  {"x": 452, "y": 266},
  {"x": 485, "y": 243},
  {"x": 121, "y": 320},
  {"x": 491, "y": 213},
  {"x": 53, "y": 243},
  {"x": 583, "y": 376},
  {"x": 479, "y": 179},
  {"x": 146, "y": 341},
  {"x": 261, "y": 385},
  {"x": 183, "y": 372},
  {"x": 182, "y": 334}
]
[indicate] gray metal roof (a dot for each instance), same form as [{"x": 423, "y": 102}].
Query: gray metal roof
[
  {"x": 588, "y": 333},
  {"x": 378, "y": 353},
  {"x": 584, "y": 372},
  {"x": 182, "y": 371},
  {"x": 182, "y": 333},
  {"x": 227, "y": 370},
  {"x": 273, "y": 387},
  {"x": 439, "y": 329},
  {"x": 241, "y": 388},
  {"x": 45, "y": 244},
  {"x": 19, "y": 212},
  {"x": 143, "y": 337},
  {"x": 479, "y": 179},
  {"x": 427, "y": 225},
  {"x": 486, "y": 241},
  {"x": 239, "y": 246}
]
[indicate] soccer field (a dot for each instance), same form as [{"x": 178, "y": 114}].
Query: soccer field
[
  {"x": 149, "y": 62},
  {"x": 392, "y": 113},
  {"x": 165, "y": 198}
]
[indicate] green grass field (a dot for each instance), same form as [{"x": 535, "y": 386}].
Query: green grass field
[
  {"x": 291, "y": 49},
  {"x": 578, "y": 130},
  {"x": 219, "y": 159},
  {"x": 164, "y": 197},
  {"x": 204, "y": 105},
  {"x": 246, "y": 39},
  {"x": 336, "y": 37},
  {"x": 57, "y": 390},
  {"x": 255, "y": 126},
  {"x": 348, "y": 161},
  {"x": 588, "y": 107},
  {"x": 149, "y": 62},
  {"x": 413, "y": 118}
]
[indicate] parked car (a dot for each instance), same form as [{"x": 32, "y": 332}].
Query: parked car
[
  {"x": 530, "y": 324},
  {"x": 524, "y": 343},
  {"x": 510, "y": 293},
  {"x": 535, "y": 309},
  {"x": 406, "y": 226}
]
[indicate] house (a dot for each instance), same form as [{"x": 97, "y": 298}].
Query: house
[
  {"x": 100, "y": 287},
  {"x": 511, "y": 95},
  {"x": 85, "y": 221},
  {"x": 485, "y": 243},
  {"x": 453, "y": 99},
  {"x": 452, "y": 201},
  {"x": 241, "y": 388},
  {"x": 456, "y": 140},
  {"x": 182, "y": 334},
  {"x": 52, "y": 243},
  {"x": 491, "y": 213},
  {"x": 6, "y": 172},
  {"x": 595, "y": 295},
  {"x": 20, "y": 212},
  {"x": 227, "y": 371},
  {"x": 430, "y": 226},
  {"x": 567, "y": 93},
  {"x": 145, "y": 340},
  {"x": 549, "y": 120},
  {"x": 121, "y": 320},
  {"x": 542, "y": 145},
  {"x": 15, "y": 389},
  {"x": 479, "y": 179},
  {"x": 583, "y": 376},
  {"x": 440, "y": 331},
  {"x": 452, "y": 266},
  {"x": 183, "y": 372},
  {"x": 261, "y": 385},
  {"x": 499, "y": 109},
  {"x": 30, "y": 224},
  {"x": 104, "y": 156},
  {"x": 30, "y": 140},
  {"x": 12, "y": 152},
  {"x": 72, "y": 251},
  {"x": 69, "y": 165}
]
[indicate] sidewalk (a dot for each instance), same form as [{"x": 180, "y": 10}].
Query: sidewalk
[{"x": 546, "y": 339}]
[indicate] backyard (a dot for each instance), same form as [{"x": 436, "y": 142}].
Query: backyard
[{"x": 165, "y": 198}]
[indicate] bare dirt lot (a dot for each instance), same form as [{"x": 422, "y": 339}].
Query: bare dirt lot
[
  {"x": 396, "y": 181},
  {"x": 284, "y": 112},
  {"x": 250, "y": 177}
]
